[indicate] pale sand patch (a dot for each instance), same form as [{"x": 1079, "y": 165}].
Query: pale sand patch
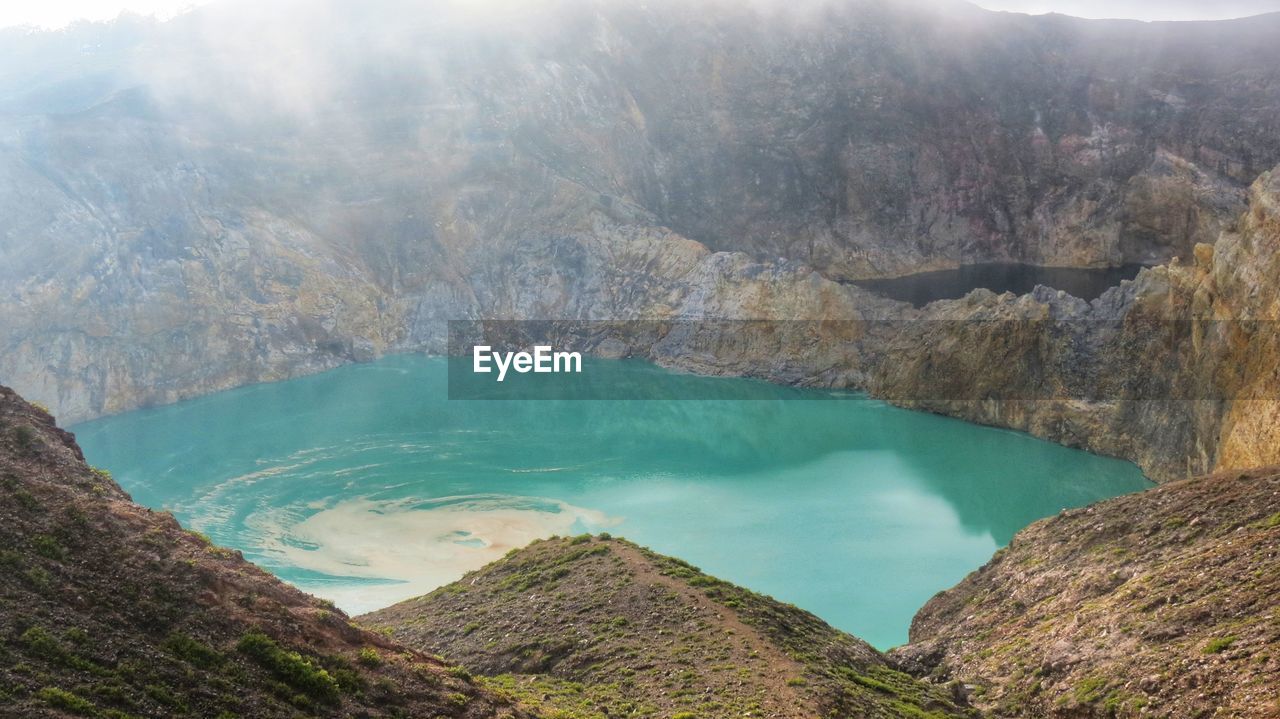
[{"x": 417, "y": 544}]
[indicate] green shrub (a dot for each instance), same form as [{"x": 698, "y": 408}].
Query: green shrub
[
  {"x": 25, "y": 435},
  {"x": 349, "y": 681},
  {"x": 290, "y": 667},
  {"x": 42, "y": 644},
  {"x": 370, "y": 657}
]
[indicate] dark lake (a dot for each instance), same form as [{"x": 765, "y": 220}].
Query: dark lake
[{"x": 925, "y": 287}]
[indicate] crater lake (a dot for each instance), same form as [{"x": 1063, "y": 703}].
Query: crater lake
[{"x": 366, "y": 485}]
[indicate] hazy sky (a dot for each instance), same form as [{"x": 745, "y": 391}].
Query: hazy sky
[
  {"x": 57, "y": 13},
  {"x": 1140, "y": 9}
]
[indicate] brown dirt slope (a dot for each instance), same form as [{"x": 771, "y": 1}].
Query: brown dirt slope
[
  {"x": 110, "y": 610},
  {"x": 599, "y": 627},
  {"x": 1160, "y": 604}
]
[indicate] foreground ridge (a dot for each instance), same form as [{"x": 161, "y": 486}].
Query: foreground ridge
[
  {"x": 600, "y": 627},
  {"x": 108, "y": 609},
  {"x": 1164, "y": 603}
]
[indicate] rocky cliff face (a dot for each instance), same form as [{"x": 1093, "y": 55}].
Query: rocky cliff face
[
  {"x": 1176, "y": 370},
  {"x": 237, "y": 197},
  {"x": 112, "y": 610},
  {"x": 1160, "y": 604}
]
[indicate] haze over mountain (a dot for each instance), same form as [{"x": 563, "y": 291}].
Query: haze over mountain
[
  {"x": 1149, "y": 10},
  {"x": 247, "y": 194},
  {"x": 253, "y": 192}
]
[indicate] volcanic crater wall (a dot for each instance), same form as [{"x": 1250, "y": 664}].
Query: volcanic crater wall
[{"x": 230, "y": 198}]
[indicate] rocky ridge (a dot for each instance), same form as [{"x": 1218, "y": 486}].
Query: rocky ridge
[
  {"x": 599, "y": 627},
  {"x": 111, "y": 610},
  {"x": 1163, "y": 604}
]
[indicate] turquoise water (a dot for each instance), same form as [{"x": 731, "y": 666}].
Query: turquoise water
[{"x": 366, "y": 485}]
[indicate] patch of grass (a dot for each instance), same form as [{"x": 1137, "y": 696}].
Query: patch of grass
[
  {"x": 40, "y": 643},
  {"x": 38, "y": 578},
  {"x": 27, "y": 500},
  {"x": 48, "y": 547},
  {"x": 1270, "y": 522},
  {"x": 1220, "y": 644},
  {"x": 292, "y": 668},
  {"x": 193, "y": 651},
  {"x": 1090, "y": 690},
  {"x": 162, "y": 695},
  {"x": 10, "y": 559},
  {"x": 871, "y": 683},
  {"x": 66, "y": 701}
]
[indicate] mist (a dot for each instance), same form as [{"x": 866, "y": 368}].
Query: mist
[{"x": 1177, "y": 10}]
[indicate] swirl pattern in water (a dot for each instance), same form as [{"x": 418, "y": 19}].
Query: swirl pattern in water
[{"x": 366, "y": 485}]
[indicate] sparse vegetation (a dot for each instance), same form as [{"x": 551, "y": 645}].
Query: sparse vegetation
[{"x": 604, "y": 628}]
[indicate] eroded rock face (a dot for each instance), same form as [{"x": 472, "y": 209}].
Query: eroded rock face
[
  {"x": 243, "y": 197},
  {"x": 1157, "y": 604},
  {"x": 1178, "y": 370}
]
